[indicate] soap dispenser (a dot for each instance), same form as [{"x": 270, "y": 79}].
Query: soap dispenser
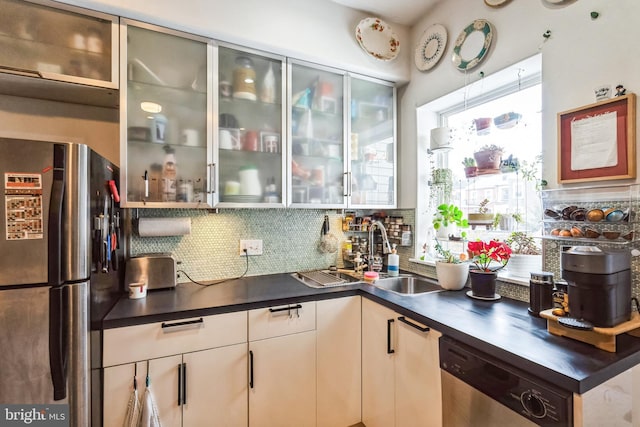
[{"x": 393, "y": 262}]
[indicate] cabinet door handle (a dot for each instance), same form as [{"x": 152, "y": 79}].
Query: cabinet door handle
[
  {"x": 413, "y": 325},
  {"x": 345, "y": 182},
  {"x": 179, "y": 384},
  {"x": 184, "y": 383},
  {"x": 212, "y": 186},
  {"x": 250, "y": 369},
  {"x": 170, "y": 327},
  {"x": 287, "y": 308},
  {"x": 389, "y": 324}
]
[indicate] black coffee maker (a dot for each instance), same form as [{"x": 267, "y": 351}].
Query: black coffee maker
[{"x": 599, "y": 284}]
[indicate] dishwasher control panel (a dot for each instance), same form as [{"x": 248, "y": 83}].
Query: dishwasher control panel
[{"x": 533, "y": 398}]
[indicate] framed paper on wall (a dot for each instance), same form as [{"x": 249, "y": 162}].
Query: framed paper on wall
[{"x": 597, "y": 142}]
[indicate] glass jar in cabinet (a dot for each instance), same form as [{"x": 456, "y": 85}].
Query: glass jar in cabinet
[
  {"x": 166, "y": 149},
  {"x": 59, "y": 42},
  {"x": 372, "y": 169},
  {"x": 316, "y": 132},
  {"x": 249, "y": 163}
]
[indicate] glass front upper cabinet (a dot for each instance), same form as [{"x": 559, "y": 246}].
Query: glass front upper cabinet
[
  {"x": 62, "y": 43},
  {"x": 165, "y": 110},
  {"x": 372, "y": 172},
  {"x": 317, "y": 129},
  {"x": 249, "y": 163}
]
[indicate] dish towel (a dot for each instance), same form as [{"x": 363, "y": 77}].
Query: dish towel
[{"x": 150, "y": 413}]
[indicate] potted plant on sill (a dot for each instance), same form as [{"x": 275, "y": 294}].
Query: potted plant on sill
[
  {"x": 470, "y": 167},
  {"x": 483, "y": 276},
  {"x": 526, "y": 254},
  {"x": 488, "y": 157},
  {"x": 447, "y": 220},
  {"x": 452, "y": 271}
]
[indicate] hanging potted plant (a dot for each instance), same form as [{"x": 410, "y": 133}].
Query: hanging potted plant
[
  {"x": 484, "y": 275},
  {"x": 470, "y": 167},
  {"x": 447, "y": 220},
  {"x": 526, "y": 254},
  {"x": 489, "y": 157},
  {"x": 452, "y": 271}
]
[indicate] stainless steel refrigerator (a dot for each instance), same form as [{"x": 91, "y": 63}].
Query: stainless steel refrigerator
[{"x": 60, "y": 253}]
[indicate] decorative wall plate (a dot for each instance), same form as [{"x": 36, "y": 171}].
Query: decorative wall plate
[
  {"x": 475, "y": 39},
  {"x": 377, "y": 39},
  {"x": 496, "y": 3},
  {"x": 430, "y": 47}
]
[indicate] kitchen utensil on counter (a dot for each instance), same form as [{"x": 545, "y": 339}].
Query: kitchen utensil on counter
[
  {"x": 328, "y": 242},
  {"x": 599, "y": 284},
  {"x": 540, "y": 292},
  {"x": 158, "y": 270}
]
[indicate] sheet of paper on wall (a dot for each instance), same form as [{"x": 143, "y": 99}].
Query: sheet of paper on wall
[{"x": 594, "y": 142}]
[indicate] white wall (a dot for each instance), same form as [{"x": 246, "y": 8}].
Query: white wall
[
  {"x": 314, "y": 30},
  {"x": 580, "y": 54}
]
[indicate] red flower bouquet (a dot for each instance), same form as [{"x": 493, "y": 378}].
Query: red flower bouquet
[{"x": 483, "y": 253}]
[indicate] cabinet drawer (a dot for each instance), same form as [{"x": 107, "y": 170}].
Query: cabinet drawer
[
  {"x": 141, "y": 342},
  {"x": 281, "y": 320}
]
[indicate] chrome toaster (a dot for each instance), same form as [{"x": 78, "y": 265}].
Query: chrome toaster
[{"x": 158, "y": 270}]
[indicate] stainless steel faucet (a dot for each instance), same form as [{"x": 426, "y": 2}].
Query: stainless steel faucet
[{"x": 385, "y": 240}]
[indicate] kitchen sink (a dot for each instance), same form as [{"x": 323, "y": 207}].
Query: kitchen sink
[
  {"x": 324, "y": 278},
  {"x": 407, "y": 285}
]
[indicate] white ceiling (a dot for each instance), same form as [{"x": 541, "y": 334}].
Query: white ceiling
[{"x": 405, "y": 12}]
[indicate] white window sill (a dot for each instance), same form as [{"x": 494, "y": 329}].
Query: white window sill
[{"x": 503, "y": 275}]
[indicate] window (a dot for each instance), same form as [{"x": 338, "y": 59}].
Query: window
[{"x": 503, "y": 110}]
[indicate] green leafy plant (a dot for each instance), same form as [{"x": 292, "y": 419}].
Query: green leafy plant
[
  {"x": 449, "y": 214},
  {"x": 522, "y": 243},
  {"x": 468, "y": 162}
]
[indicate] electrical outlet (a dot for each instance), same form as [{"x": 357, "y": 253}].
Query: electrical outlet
[{"x": 253, "y": 247}]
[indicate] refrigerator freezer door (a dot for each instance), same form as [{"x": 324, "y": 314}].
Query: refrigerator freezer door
[{"x": 27, "y": 169}]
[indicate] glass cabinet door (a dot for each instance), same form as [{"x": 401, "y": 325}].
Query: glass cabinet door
[
  {"x": 249, "y": 163},
  {"x": 59, "y": 44},
  {"x": 317, "y": 129},
  {"x": 165, "y": 108},
  {"x": 373, "y": 144}
]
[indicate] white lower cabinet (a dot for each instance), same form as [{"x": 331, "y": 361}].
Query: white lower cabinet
[
  {"x": 339, "y": 360},
  {"x": 400, "y": 370},
  {"x": 197, "y": 386},
  {"x": 282, "y": 366}
]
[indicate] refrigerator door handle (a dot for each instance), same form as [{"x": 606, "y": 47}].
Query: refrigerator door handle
[{"x": 57, "y": 344}]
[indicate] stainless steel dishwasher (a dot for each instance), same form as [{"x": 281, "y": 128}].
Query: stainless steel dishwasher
[{"x": 479, "y": 390}]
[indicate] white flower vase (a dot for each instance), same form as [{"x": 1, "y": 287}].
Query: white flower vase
[{"x": 452, "y": 277}]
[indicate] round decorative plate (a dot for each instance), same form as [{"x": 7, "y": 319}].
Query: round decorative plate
[
  {"x": 496, "y": 3},
  {"x": 479, "y": 31},
  {"x": 430, "y": 47},
  {"x": 377, "y": 39}
]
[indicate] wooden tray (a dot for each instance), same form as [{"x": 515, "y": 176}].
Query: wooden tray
[{"x": 602, "y": 338}]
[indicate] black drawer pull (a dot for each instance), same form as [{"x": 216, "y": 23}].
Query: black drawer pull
[
  {"x": 287, "y": 308},
  {"x": 250, "y": 369},
  {"x": 197, "y": 322},
  {"x": 389, "y": 349},
  {"x": 414, "y": 325}
]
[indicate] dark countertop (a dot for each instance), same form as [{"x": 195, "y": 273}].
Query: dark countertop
[{"x": 502, "y": 329}]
